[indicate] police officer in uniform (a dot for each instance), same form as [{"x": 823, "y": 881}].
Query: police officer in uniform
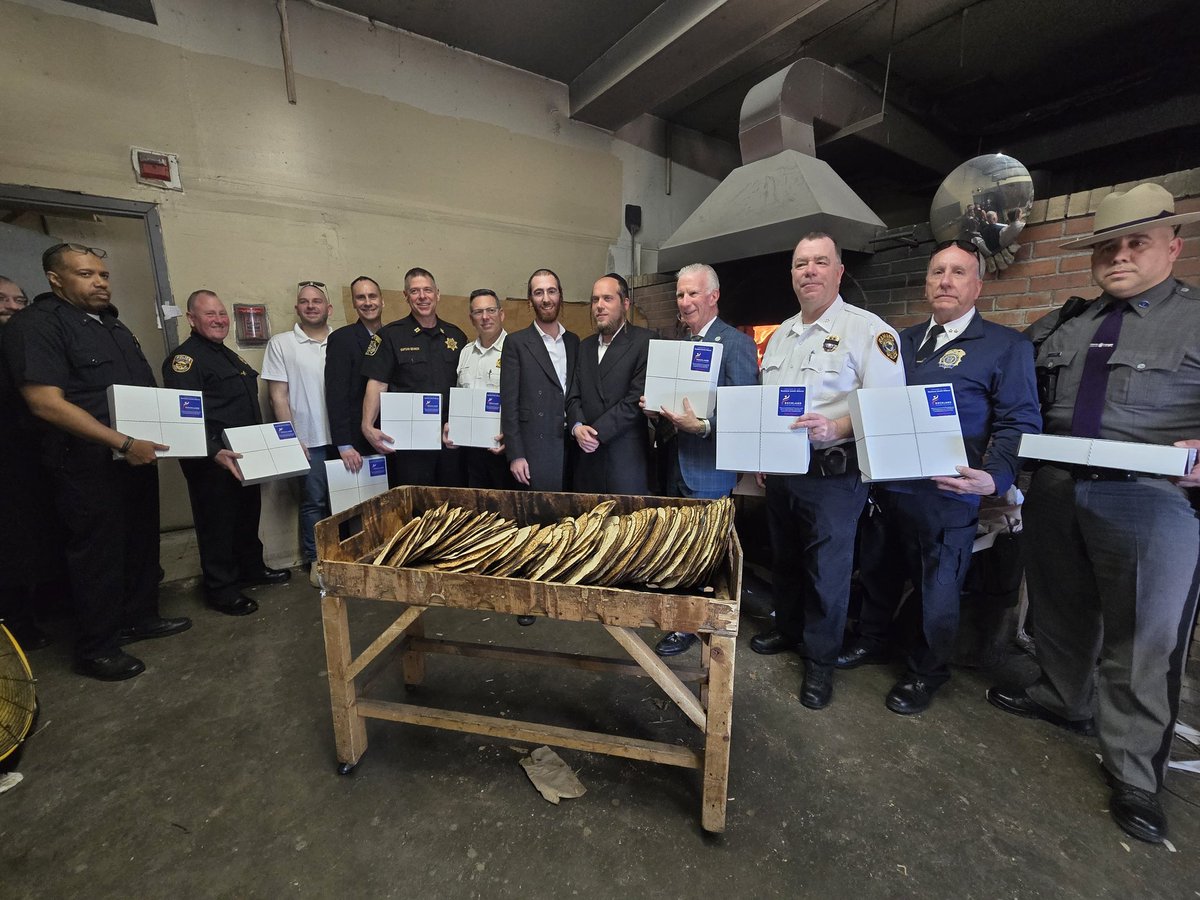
[
  {"x": 417, "y": 353},
  {"x": 63, "y": 353},
  {"x": 1112, "y": 572},
  {"x": 923, "y": 531},
  {"x": 831, "y": 348},
  {"x": 344, "y": 381},
  {"x": 225, "y": 512}
]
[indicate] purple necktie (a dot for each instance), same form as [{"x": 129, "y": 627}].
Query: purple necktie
[{"x": 1093, "y": 384}]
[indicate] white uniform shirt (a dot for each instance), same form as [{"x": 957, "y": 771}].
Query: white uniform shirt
[
  {"x": 296, "y": 358},
  {"x": 847, "y": 348},
  {"x": 479, "y": 367}
]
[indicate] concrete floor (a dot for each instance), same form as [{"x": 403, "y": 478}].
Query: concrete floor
[{"x": 212, "y": 775}]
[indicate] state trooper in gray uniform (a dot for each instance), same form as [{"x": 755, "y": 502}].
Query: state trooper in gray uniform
[{"x": 1112, "y": 571}]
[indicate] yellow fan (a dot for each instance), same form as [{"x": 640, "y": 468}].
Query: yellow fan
[{"x": 18, "y": 702}]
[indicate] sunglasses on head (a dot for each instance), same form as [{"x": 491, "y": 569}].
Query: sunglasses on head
[
  {"x": 959, "y": 243},
  {"x": 78, "y": 248},
  {"x": 320, "y": 285}
]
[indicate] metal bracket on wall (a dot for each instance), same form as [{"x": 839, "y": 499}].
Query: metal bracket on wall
[{"x": 903, "y": 239}]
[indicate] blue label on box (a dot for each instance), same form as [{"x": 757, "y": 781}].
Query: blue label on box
[
  {"x": 191, "y": 406},
  {"x": 285, "y": 431},
  {"x": 701, "y": 358},
  {"x": 791, "y": 401},
  {"x": 492, "y": 402},
  {"x": 940, "y": 400},
  {"x": 376, "y": 467},
  {"x": 431, "y": 405}
]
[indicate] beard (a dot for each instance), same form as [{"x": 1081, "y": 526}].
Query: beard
[{"x": 546, "y": 316}]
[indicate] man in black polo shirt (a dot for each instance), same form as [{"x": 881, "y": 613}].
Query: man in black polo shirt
[
  {"x": 63, "y": 353},
  {"x": 225, "y": 511},
  {"x": 417, "y": 353}
]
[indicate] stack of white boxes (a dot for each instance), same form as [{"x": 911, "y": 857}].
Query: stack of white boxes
[
  {"x": 162, "y": 415},
  {"x": 474, "y": 417},
  {"x": 678, "y": 369},
  {"x": 268, "y": 451},
  {"x": 754, "y": 433},
  {"x": 1130, "y": 456},
  {"x": 907, "y": 432},
  {"x": 412, "y": 421},
  {"x": 347, "y": 489}
]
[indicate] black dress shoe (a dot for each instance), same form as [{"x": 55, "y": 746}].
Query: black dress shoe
[
  {"x": 770, "y": 642},
  {"x": 267, "y": 575},
  {"x": 675, "y": 643},
  {"x": 111, "y": 668},
  {"x": 28, "y": 635},
  {"x": 861, "y": 654},
  {"x": 526, "y": 620},
  {"x": 911, "y": 694},
  {"x": 241, "y": 605},
  {"x": 817, "y": 688},
  {"x": 1137, "y": 811},
  {"x": 152, "y": 628},
  {"x": 1017, "y": 701}
]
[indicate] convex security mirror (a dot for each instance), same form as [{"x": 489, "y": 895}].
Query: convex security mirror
[{"x": 984, "y": 201}]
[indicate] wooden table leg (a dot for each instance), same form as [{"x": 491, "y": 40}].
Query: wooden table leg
[
  {"x": 349, "y": 728},
  {"x": 716, "y": 735},
  {"x": 704, "y": 664},
  {"x": 413, "y": 661}
]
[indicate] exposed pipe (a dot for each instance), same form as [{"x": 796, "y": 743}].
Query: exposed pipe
[{"x": 285, "y": 40}]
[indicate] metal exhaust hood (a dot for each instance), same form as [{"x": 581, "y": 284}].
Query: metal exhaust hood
[{"x": 782, "y": 190}]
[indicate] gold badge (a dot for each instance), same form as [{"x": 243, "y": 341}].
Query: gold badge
[
  {"x": 887, "y": 346},
  {"x": 451, "y": 344},
  {"x": 181, "y": 363},
  {"x": 831, "y": 343},
  {"x": 373, "y": 346},
  {"x": 497, "y": 362},
  {"x": 951, "y": 358}
]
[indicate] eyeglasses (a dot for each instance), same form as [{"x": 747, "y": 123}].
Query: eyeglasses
[
  {"x": 317, "y": 284},
  {"x": 78, "y": 248},
  {"x": 959, "y": 243},
  {"x": 486, "y": 311}
]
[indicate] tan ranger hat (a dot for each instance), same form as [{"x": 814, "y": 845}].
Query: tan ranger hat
[{"x": 1122, "y": 212}]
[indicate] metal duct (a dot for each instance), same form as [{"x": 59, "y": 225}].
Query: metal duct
[{"x": 782, "y": 190}]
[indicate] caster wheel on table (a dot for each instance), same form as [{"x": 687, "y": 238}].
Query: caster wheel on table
[{"x": 345, "y": 768}]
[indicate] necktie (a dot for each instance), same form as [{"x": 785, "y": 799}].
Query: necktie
[
  {"x": 930, "y": 343},
  {"x": 1093, "y": 383}
]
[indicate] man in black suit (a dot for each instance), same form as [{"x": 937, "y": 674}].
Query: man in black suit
[
  {"x": 603, "y": 407},
  {"x": 536, "y": 367},
  {"x": 344, "y": 381}
]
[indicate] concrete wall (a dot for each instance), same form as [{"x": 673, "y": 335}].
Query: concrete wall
[{"x": 399, "y": 152}]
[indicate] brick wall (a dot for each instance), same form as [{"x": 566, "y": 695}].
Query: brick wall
[
  {"x": 1043, "y": 276},
  {"x": 654, "y": 297}
]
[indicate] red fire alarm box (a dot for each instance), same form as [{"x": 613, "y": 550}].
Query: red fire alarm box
[
  {"x": 252, "y": 324},
  {"x": 156, "y": 169}
]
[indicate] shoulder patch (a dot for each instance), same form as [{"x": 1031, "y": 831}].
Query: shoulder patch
[
  {"x": 887, "y": 345},
  {"x": 373, "y": 346},
  {"x": 181, "y": 363}
]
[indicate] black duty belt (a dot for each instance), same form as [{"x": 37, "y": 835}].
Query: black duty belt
[
  {"x": 1097, "y": 473},
  {"x": 837, "y": 460}
]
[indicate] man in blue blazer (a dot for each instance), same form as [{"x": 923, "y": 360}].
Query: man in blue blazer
[
  {"x": 603, "y": 409},
  {"x": 925, "y": 529},
  {"x": 692, "y": 451}
]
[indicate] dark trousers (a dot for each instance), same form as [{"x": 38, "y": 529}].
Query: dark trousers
[
  {"x": 109, "y": 511},
  {"x": 488, "y": 470},
  {"x": 922, "y": 538},
  {"x": 432, "y": 468},
  {"x": 226, "y": 517},
  {"x": 813, "y": 520}
]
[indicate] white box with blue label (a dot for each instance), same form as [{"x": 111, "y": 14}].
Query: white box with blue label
[
  {"x": 679, "y": 369},
  {"x": 347, "y": 489},
  {"x": 269, "y": 451},
  {"x": 162, "y": 415},
  {"x": 907, "y": 432},
  {"x": 1130, "y": 456},
  {"x": 754, "y": 432},
  {"x": 412, "y": 420},
  {"x": 474, "y": 417}
]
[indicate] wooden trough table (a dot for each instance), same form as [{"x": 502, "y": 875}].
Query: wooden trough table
[{"x": 346, "y": 574}]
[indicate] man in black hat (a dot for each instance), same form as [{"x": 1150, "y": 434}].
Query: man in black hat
[{"x": 1112, "y": 571}]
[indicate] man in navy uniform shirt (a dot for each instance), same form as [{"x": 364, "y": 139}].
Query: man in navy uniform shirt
[{"x": 923, "y": 530}]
